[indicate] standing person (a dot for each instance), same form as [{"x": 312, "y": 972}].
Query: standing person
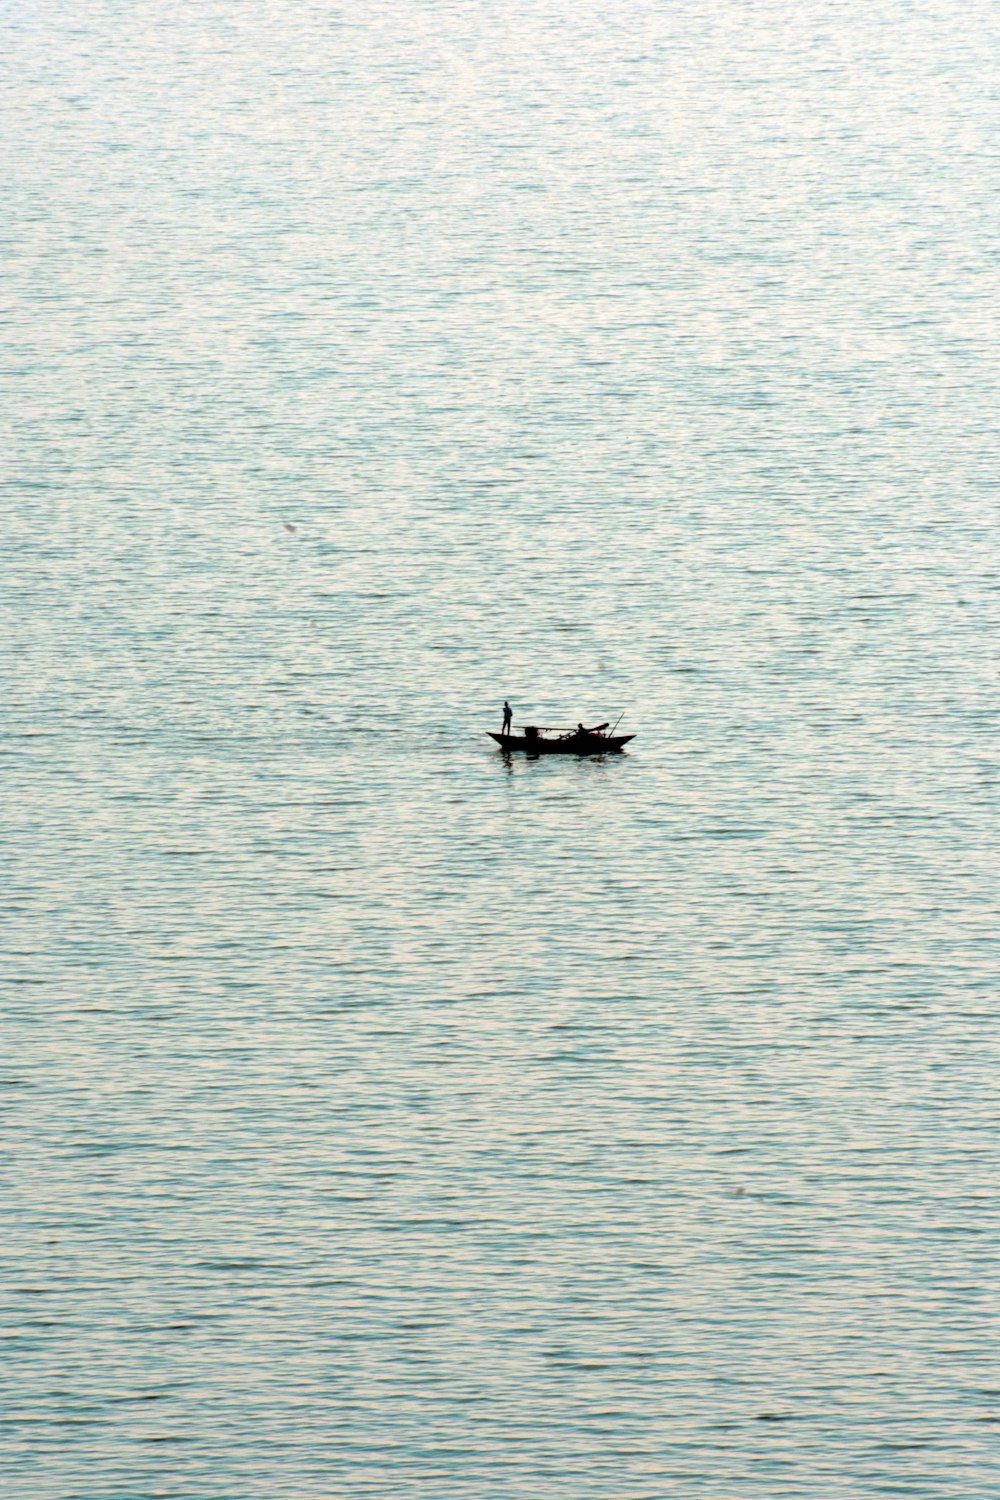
[{"x": 506, "y": 717}]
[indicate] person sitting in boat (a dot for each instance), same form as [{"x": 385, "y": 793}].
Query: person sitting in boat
[{"x": 506, "y": 717}]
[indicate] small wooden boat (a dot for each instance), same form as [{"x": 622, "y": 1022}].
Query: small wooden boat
[{"x": 534, "y": 741}]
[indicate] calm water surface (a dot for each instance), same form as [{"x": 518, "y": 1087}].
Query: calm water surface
[{"x": 383, "y": 1118}]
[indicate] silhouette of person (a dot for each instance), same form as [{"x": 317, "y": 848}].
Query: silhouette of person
[{"x": 506, "y": 717}]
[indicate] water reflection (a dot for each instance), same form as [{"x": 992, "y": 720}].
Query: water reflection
[{"x": 385, "y": 1126}]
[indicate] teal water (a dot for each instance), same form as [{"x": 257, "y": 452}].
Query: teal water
[{"x": 382, "y": 1118}]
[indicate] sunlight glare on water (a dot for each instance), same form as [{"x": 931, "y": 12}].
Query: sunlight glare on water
[{"x": 384, "y": 1117}]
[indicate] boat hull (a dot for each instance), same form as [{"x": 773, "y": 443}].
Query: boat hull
[{"x": 570, "y": 744}]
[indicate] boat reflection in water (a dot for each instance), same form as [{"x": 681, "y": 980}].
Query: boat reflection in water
[{"x": 538, "y": 740}]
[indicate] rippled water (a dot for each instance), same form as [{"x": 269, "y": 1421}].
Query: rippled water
[{"x": 384, "y": 1118}]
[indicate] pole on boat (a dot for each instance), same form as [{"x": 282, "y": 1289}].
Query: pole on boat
[{"x": 617, "y": 721}]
